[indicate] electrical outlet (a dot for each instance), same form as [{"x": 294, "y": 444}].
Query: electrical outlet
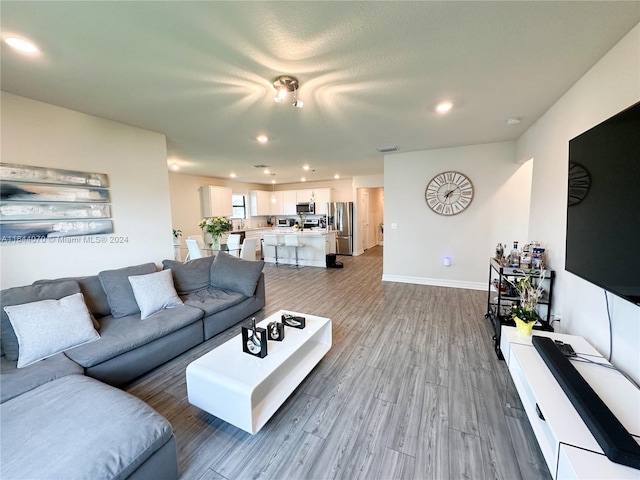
[{"x": 557, "y": 318}]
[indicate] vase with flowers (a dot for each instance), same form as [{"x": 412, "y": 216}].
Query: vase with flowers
[
  {"x": 215, "y": 226},
  {"x": 529, "y": 289}
]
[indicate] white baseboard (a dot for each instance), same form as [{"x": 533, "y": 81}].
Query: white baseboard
[{"x": 436, "y": 282}]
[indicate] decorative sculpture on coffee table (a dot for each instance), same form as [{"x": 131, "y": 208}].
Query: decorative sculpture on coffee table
[
  {"x": 254, "y": 340},
  {"x": 293, "y": 321},
  {"x": 275, "y": 331}
]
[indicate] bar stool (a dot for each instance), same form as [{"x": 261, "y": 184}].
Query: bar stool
[
  {"x": 293, "y": 241},
  {"x": 272, "y": 241}
]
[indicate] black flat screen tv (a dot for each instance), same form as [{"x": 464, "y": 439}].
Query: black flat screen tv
[{"x": 603, "y": 205}]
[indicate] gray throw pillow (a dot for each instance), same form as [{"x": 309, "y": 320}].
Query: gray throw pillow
[
  {"x": 48, "y": 327},
  {"x": 118, "y": 289},
  {"x": 27, "y": 294},
  {"x": 190, "y": 276},
  {"x": 154, "y": 292},
  {"x": 233, "y": 273}
]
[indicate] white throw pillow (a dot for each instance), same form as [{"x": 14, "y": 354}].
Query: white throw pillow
[
  {"x": 154, "y": 292},
  {"x": 48, "y": 327}
]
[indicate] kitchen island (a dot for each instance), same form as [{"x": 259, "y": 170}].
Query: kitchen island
[{"x": 317, "y": 244}]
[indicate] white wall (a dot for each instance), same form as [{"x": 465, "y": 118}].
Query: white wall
[
  {"x": 499, "y": 213},
  {"x": 39, "y": 134},
  {"x": 609, "y": 87}
]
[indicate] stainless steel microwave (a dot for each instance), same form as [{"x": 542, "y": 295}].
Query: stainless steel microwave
[{"x": 306, "y": 208}]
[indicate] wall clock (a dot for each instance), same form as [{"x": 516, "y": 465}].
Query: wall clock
[{"x": 449, "y": 193}]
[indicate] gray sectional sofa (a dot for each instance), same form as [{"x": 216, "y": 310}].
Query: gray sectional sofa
[{"x": 67, "y": 343}]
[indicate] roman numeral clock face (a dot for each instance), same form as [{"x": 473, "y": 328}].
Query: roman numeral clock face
[{"x": 449, "y": 193}]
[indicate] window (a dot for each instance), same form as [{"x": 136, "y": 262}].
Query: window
[{"x": 239, "y": 204}]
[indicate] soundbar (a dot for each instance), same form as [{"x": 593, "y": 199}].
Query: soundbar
[{"x": 616, "y": 442}]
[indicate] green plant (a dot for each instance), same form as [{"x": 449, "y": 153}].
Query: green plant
[
  {"x": 177, "y": 233},
  {"x": 215, "y": 226},
  {"x": 530, "y": 293}
]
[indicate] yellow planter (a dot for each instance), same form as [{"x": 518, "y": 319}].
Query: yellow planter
[{"x": 524, "y": 328}]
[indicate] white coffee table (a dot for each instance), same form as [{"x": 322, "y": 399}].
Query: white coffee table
[{"x": 245, "y": 390}]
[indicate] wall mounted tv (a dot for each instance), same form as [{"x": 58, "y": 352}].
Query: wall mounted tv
[{"x": 603, "y": 206}]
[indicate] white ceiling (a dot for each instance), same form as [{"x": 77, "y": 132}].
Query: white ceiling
[{"x": 371, "y": 73}]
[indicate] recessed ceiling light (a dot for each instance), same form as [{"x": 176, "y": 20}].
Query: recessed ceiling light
[
  {"x": 22, "y": 45},
  {"x": 267, "y": 171},
  {"x": 513, "y": 121},
  {"x": 273, "y": 181},
  {"x": 303, "y": 179},
  {"x": 444, "y": 107},
  {"x": 232, "y": 175},
  {"x": 262, "y": 138},
  {"x": 305, "y": 167},
  {"x": 336, "y": 176},
  {"x": 175, "y": 167}
]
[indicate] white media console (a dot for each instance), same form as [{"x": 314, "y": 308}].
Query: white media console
[{"x": 568, "y": 446}]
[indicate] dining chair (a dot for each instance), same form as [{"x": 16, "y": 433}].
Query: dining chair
[
  {"x": 233, "y": 244},
  {"x": 248, "y": 251},
  {"x": 199, "y": 239},
  {"x": 193, "y": 250}
]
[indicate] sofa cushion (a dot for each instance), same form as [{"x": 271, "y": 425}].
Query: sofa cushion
[
  {"x": 212, "y": 300},
  {"x": 232, "y": 273},
  {"x": 190, "y": 276},
  {"x": 91, "y": 288},
  {"x": 16, "y": 381},
  {"x": 120, "y": 335},
  {"x": 154, "y": 292},
  {"x": 118, "y": 289},
  {"x": 27, "y": 294},
  {"x": 48, "y": 327},
  {"x": 78, "y": 427}
]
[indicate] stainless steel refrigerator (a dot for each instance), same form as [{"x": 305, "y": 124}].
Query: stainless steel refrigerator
[{"x": 340, "y": 220}]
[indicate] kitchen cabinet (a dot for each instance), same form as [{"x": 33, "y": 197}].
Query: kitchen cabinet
[
  {"x": 264, "y": 202},
  {"x": 276, "y": 203},
  {"x": 303, "y": 196},
  {"x": 260, "y": 201},
  {"x": 322, "y": 197},
  {"x": 289, "y": 200},
  {"x": 216, "y": 201}
]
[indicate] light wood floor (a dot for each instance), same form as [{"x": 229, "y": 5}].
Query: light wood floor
[{"x": 411, "y": 389}]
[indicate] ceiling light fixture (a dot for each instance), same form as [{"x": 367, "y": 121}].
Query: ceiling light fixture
[
  {"x": 336, "y": 176},
  {"x": 232, "y": 175},
  {"x": 262, "y": 138},
  {"x": 444, "y": 107},
  {"x": 175, "y": 167},
  {"x": 24, "y": 46},
  {"x": 284, "y": 85}
]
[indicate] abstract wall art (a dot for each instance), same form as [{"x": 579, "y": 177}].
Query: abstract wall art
[{"x": 39, "y": 203}]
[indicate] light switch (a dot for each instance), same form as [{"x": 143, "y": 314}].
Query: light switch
[{"x": 394, "y": 226}]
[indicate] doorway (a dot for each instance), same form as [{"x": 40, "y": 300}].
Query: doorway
[{"x": 370, "y": 214}]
